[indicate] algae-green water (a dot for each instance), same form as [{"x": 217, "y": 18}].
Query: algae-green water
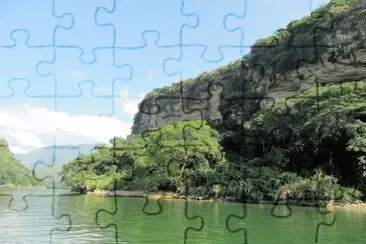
[{"x": 37, "y": 221}]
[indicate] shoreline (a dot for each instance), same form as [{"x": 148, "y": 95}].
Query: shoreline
[
  {"x": 340, "y": 205},
  {"x": 174, "y": 196},
  {"x": 21, "y": 187}
]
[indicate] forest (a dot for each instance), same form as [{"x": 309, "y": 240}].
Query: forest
[
  {"x": 309, "y": 147},
  {"x": 13, "y": 173}
]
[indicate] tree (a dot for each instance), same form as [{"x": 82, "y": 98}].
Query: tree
[{"x": 185, "y": 157}]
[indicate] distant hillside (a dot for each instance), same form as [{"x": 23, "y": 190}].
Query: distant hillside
[
  {"x": 12, "y": 172},
  {"x": 61, "y": 154}
]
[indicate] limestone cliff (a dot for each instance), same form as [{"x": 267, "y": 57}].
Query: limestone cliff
[{"x": 325, "y": 48}]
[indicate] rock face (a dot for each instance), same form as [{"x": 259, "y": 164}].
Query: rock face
[{"x": 325, "y": 48}]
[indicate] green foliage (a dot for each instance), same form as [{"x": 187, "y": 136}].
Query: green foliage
[
  {"x": 318, "y": 187},
  {"x": 334, "y": 7},
  {"x": 267, "y": 41},
  {"x": 339, "y": 9},
  {"x": 281, "y": 148},
  {"x": 309, "y": 131},
  {"x": 12, "y": 172},
  {"x": 185, "y": 157},
  {"x": 280, "y": 35},
  {"x": 347, "y": 2}
]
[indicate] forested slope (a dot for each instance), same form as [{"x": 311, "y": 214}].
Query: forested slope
[{"x": 12, "y": 172}]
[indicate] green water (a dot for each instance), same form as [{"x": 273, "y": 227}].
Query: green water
[{"x": 38, "y": 223}]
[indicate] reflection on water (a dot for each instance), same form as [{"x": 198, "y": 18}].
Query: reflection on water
[{"x": 38, "y": 224}]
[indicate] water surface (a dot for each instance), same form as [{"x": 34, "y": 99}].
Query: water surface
[{"x": 36, "y": 221}]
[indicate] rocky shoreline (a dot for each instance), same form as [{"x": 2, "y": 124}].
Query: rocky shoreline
[{"x": 172, "y": 195}]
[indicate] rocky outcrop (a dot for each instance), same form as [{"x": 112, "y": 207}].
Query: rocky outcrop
[{"x": 325, "y": 48}]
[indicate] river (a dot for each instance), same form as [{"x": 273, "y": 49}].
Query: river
[{"x": 36, "y": 221}]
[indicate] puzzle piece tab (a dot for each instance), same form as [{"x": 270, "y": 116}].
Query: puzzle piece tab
[
  {"x": 70, "y": 71},
  {"x": 85, "y": 33},
  {"x": 213, "y": 15},
  {"x": 20, "y": 54},
  {"x": 38, "y": 22},
  {"x": 125, "y": 12},
  {"x": 54, "y": 231}
]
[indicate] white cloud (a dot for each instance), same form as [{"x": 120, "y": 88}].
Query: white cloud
[
  {"x": 17, "y": 150},
  {"x": 29, "y": 127},
  {"x": 129, "y": 103},
  {"x": 7, "y": 120},
  {"x": 130, "y": 106},
  {"x": 25, "y": 138}
]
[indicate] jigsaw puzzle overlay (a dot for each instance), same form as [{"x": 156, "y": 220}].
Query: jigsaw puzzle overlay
[{"x": 273, "y": 122}]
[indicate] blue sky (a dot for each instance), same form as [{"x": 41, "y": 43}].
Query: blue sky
[{"x": 64, "y": 60}]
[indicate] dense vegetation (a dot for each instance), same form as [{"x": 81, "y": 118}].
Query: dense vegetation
[
  {"x": 175, "y": 158},
  {"x": 308, "y": 147},
  {"x": 322, "y": 129},
  {"x": 12, "y": 172}
]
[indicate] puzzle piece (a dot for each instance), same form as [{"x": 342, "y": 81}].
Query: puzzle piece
[
  {"x": 89, "y": 183},
  {"x": 7, "y": 174},
  {"x": 125, "y": 12},
  {"x": 102, "y": 72},
  {"x": 118, "y": 149},
  {"x": 39, "y": 205},
  {"x": 231, "y": 216},
  {"x": 39, "y": 23},
  {"x": 284, "y": 229},
  {"x": 251, "y": 21},
  {"x": 15, "y": 129},
  {"x": 129, "y": 217},
  {"x": 240, "y": 216},
  {"x": 148, "y": 74},
  {"x": 19, "y": 95},
  {"x": 319, "y": 134},
  {"x": 78, "y": 104},
  {"x": 26, "y": 195},
  {"x": 85, "y": 32},
  {"x": 179, "y": 68},
  {"x": 324, "y": 223},
  {"x": 335, "y": 48},
  {"x": 115, "y": 207},
  {"x": 49, "y": 171},
  {"x": 182, "y": 146},
  {"x": 215, "y": 18},
  {"x": 207, "y": 84},
  {"x": 185, "y": 109},
  {"x": 187, "y": 229},
  {"x": 234, "y": 118},
  {"x": 20, "y": 53}
]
